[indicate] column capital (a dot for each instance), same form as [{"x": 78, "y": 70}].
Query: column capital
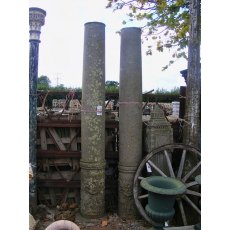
[{"x": 36, "y": 21}]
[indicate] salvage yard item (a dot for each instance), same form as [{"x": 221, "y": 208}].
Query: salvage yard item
[
  {"x": 30, "y": 173},
  {"x": 182, "y": 168},
  {"x": 32, "y": 222},
  {"x": 62, "y": 225},
  {"x": 162, "y": 192}
]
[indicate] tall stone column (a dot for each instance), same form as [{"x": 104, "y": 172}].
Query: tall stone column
[
  {"x": 36, "y": 21},
  {"x": 93, "y": 122},
  {"x": 130, "y": 117}
]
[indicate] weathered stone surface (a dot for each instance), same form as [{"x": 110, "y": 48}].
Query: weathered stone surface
[
  {"x": 93, "y": 122},
  {"x": 32, "y": 222},
  {"x": 130, "y": 117},
  {"x": 158, "y": 132},
  {"x": 92, "y": 192},
  {"x": 192, "y": 131},
  {"x": 126, "y": 205}
]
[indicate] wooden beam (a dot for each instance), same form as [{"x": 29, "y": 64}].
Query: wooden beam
[
  {"x": 57, "y": 139},
  {"x": 43, "y": 140},
  {"x": 75, "y": 124},
  {"x": 58, "y": 125},
  {"x": 58, "y": 154},
  {"x": 61, "y": 183},
  {"x": 56, "y": 175},
  {"x": 49, "y": 183},
  {"x": 71, "y": 154},
  {"x": 49, "y": 141}
]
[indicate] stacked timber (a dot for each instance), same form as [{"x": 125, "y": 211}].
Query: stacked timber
[{"x": 58, "y": 157}]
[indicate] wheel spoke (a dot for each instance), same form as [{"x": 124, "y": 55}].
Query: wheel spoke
[
  {"x": 191, "y": 172},
  {"x": 188, "y": 227},
  {"x": 191, "y": 184},
  {"x": 140, "y": 177},
  {"x": 169, "y": 164},
  {"x": 188, "y": 191},
  {"x": 182, "y": 211},
  {"x": 181, "y": 167},
  {"x": 143, "y": 196},
  {"x": 156, "y": 168},
  {"x": 191, "y": 204},
  {"x": 183, "y": 174}
]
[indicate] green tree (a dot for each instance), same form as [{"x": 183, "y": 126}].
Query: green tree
[
  {"x": 174, "y": 91},
  {"x": 60, "y": 87},
  {"x": 174, "y": 23},
  {"x": 111, "y": 86},
  {"x": 165, "y": 21},
  {"x": 43, "y": 83}
]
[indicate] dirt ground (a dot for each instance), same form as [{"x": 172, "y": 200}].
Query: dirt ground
[{"x": 45, "y": 216}]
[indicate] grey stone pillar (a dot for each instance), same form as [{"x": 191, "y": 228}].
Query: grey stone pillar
[
  {"x": 36, "y": 21},
  {"x": 93, "y": 122},
  {"x": 130, "y": 118}
]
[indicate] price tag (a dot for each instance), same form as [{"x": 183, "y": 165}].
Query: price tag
[
  {"x": 99, "y": 110},
  {"x": 148, "y": 168}
]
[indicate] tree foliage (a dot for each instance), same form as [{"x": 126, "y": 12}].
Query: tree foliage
[
  {"x": 112, "y": 86},
  {"x": 59, "y": 87},
  {"x": 165, "y": 21},
  {"x": 174, "y": 91},
  {"x": 43, "y": 83}
]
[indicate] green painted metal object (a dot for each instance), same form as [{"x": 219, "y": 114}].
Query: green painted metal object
[
  {"x": 162, "y": 192},
  {"x": 197, "y": 226},
  {"x": 198, "y": 179}
]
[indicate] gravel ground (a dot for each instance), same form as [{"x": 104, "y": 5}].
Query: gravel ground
[{"x": 45, "y": 216}]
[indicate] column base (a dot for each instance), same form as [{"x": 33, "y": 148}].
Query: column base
[{"x": 92, "y": 190}]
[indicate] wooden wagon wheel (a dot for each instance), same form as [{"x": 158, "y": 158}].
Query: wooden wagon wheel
[{"x": 182, "y": 162}]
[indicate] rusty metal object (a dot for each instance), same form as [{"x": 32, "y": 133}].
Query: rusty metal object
[
  {"x": 63, "y": 225},
  {"x": 182, "y": 169},
  {"x": 58, "y": 155}
]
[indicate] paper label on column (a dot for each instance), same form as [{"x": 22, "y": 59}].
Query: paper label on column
[
  {"x": 148, "y": 167},
  {"x": 99, "y": 110}
]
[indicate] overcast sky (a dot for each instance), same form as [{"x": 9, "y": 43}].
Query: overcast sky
[{"x": 61, "y": 47}]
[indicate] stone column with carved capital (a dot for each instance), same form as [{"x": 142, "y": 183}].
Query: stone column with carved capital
[
  {"x": 36, "y": 21},
  {"x": 93, "y": 122},
  {"x": 130, "y": 117}
]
